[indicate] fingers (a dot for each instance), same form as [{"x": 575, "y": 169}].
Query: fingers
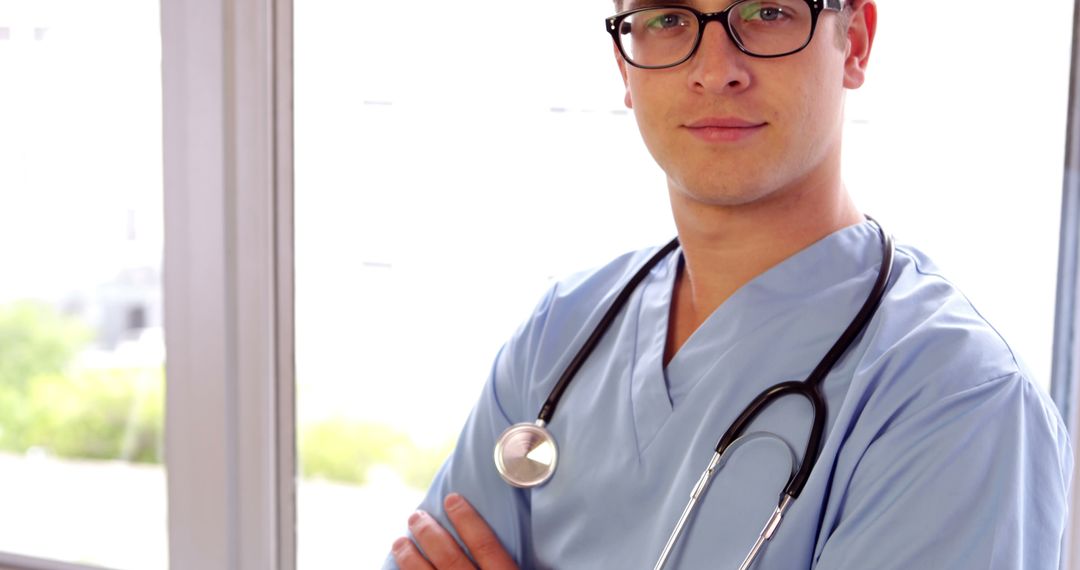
[
  {"x": 408, "y": 557},
  {"x": 439, "y": 546},
  {"x": 477, "y": 535},
  {"x": 442, "y": 551}
]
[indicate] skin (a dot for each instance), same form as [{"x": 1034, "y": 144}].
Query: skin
[
  {"x": 740, "y": 206},
  {"x": 441, "y": 549}
]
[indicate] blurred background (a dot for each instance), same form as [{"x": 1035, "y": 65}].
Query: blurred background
[{"x": 449, "y": 166}]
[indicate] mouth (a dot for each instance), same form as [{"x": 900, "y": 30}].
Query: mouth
[{"x": 724, "y": 129}]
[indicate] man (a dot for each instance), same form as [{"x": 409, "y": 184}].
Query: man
[{"x": 937, "y": 450}]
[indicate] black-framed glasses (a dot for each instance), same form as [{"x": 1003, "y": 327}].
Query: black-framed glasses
[{"x": 656, "y": 37}]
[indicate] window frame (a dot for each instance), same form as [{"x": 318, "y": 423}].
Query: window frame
[
  {"x": 1065, "y": 374},
  {"x": 10, "y": 561},
  {"x": 230, "y": 441}
]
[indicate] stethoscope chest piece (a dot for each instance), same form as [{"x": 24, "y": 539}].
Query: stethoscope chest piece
[{"x": 525, "y": 455}]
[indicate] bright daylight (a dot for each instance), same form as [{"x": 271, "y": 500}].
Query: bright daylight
[{"x": 445, "y": 177}]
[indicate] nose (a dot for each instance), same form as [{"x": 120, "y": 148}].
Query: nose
[{"x": 718, "y": 66}]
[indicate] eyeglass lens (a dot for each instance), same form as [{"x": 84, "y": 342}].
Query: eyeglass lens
[{"x": 668, "y": 35}]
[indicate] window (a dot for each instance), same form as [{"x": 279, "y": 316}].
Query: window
[
  {"x": 939, "y": 153},
  {"x": 442, "y": 183},
  {"x": 534, "y": 140},
  {"x": 81, "y": 355}
]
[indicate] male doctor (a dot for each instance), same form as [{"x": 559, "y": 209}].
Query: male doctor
[{"x": 938, "y": 451}]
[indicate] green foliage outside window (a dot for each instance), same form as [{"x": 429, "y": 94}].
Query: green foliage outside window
[
  {"x": 344, "y": 451},
  {"x": 36, "y": 340},
  {"x": 49, "y": 403},
  {"x": 99, "y": 414}
]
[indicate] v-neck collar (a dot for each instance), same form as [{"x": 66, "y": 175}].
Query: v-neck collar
[{"x": 777, "y": 293}]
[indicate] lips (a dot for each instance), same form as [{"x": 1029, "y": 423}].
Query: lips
[
  {"x": 724, "y": 129},
  {"x": 724, "y": 123}
]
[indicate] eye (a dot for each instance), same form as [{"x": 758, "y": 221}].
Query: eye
[
  {"x": 666, "y": 21},
  {"x": 770, "y": 14},
  {"x": 755, "y": 11}
]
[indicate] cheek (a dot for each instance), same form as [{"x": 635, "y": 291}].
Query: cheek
[
  {"x": 652, "y": 108},
  {"x": 815, "y": 85},
  {"x": 816, "y": 104},
  {"x": 650, "y": 130}
]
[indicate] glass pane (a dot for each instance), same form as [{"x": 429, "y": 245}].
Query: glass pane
[
  {"x": 427, "y": 190},
  {"x": 958, "y": 151},
  {"x": 81, "y": 350},
  {"x": 444, "y": 178}
]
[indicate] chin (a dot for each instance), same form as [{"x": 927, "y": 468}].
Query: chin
[{"x": 728, "y": 195}]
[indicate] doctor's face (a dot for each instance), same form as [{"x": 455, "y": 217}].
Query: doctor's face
[{"x": 731, "y": 129}]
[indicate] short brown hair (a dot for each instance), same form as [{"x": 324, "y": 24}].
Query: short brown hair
[{"x": 843, "y": 20}]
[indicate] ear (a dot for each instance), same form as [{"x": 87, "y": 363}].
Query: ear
[
  {"x": 622, "y": 71},
  {"x": 860, "y": 40}
]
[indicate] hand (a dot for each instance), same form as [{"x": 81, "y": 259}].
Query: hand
[{"x": 443, "y": 552}]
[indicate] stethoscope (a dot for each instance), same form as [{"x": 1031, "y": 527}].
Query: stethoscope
[{"x": 526, "y": 455}]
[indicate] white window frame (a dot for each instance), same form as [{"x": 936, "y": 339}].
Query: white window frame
[{"x": 228, "y": 283}]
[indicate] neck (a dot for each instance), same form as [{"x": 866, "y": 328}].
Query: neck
[{"x": 724, "y": 247}]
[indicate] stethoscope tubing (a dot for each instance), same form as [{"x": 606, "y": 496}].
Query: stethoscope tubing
[
  {"x": 548, "y": 409},
  {"x": 536, "y": 435},
  {"x": 810, "y": 388}
]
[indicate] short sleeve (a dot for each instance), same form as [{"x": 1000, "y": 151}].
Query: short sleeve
[{"x": 979, "y": 479}]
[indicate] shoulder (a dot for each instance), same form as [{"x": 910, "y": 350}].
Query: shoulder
[
  {"x": 925, "y": 315},
  {"x": 929, "y": 343},
  {"x": 939, "y": 399}
]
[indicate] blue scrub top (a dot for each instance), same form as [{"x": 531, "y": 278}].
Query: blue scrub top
[{"x": 939, "y": 451}]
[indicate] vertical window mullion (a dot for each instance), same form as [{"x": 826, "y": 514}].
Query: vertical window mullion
[
  {"x": 285, "y": 322},
  {"x": 1066, "y": 359},
  {"x": 195, "y": 278},
  {"x": 228, "y": 480}
]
